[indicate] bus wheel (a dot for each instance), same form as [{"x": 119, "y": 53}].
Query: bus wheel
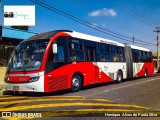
[
  {"x": 76, "y": 83},
  {"x": 119, "y": 77},
  {"x": 145, "y": 73}
]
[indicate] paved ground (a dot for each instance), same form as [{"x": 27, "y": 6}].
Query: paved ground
[
  {"x": 131, "y": 96},
  {"x": 1, "y": 88}
]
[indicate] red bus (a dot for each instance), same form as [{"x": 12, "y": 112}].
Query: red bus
[{"x": 64, "y": 59}]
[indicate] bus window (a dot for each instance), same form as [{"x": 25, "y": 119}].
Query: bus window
[
  {"x": 115, "y": 58},
  {"x": 105, "y": 57},
  {"x": 135, "y": 55},
  {"x": 102, "y": 57},
  {"x": 150, "y": 57},
  {"x": 73, "y": 56},
  {"x": 139, "y": 56},
  {"x": 59, "y": 56},
  {"x": 113, "y": 49},
  {"x": 121, "y": 54},
  {"x": 117, "y": 50},
  {"x": 144, "y": 56},
  {"x": 75, "y": 46},
  {"x": 118, "y": 53},
  {"x": 76, "y": 55},
  {"x": 104, "y": 52},
  {"x": 103, "y": 48},
  {"x": 75, "y": 52},
  {"x": 90, "y": 53},
  {"x": 114, "y": 55}
]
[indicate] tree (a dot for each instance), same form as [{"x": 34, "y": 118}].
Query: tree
[{"x": 21, "y": 27}]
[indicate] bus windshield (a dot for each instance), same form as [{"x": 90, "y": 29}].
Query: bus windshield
[{"x": 28, "y": 55}]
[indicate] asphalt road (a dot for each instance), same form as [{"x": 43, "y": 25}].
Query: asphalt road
[{"x": 131, "y": 96}]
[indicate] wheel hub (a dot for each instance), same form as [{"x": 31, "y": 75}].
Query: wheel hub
[{"x": 75, "y": 82}]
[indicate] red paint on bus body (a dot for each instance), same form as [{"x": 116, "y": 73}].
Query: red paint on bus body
[
  {"x": 60, "y": 78},
  {"x": 46, "y": 81},
  {"x": 146, "y": 66}
]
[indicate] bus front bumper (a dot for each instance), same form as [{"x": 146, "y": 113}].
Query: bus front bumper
[{"x": 37, "y": 86}]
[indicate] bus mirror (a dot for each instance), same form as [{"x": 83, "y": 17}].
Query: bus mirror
[{"x": 54, "y": 48}]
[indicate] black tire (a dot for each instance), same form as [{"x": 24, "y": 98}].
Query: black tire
[
  {"x": 76, "y": 83},
  {"x": 119, "y": 77},
  {"x": 145, "y": 73}
]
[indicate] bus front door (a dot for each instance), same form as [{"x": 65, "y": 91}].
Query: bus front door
[{"x": 90, "y": 57}]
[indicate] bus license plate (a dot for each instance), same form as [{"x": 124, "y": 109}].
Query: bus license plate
[{"x": 15, "y": 87}]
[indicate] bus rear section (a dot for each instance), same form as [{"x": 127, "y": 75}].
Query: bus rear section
[{"x": 139, "y": 61}]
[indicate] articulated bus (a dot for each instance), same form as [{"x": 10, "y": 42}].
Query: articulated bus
[{"x": 65, "y": 59}]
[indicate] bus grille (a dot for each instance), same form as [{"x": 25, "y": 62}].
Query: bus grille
[{"x": 58, "y": 83}]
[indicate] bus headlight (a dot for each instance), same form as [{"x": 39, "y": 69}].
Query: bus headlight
[
  {"x": 33, "y": 79},
  {"x": 6, "y": 79}
]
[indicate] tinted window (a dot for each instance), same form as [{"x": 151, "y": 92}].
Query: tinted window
[
  {"x": 113, "y": 49},
  {"x": 60, "y": 54},
  {"x": 144, "y": 56},
  {"x": 104, "y": 48},
  {"x": 28, "y": 55},
  {"x": 105, "y": 57},
  {"x": 75, "y": 44},
  {"x": 150, "y": 57},
  {"x": 140, "y": 56},
  {"x": 121, "y": 54},
  {"x": 135, "y": 55},
  {"x": 61, "y": 51},
  {"x": 76, "y": 55}
]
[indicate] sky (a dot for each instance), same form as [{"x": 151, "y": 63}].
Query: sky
[{"x": 118, "y": 18}]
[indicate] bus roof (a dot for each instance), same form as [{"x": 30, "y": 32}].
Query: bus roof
[
  {"x": 139, "y": 48},
  {"x": 48, "y": 35},
  {"x": 98, "y": 39},
  {"x": 93, "y": 38}
]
